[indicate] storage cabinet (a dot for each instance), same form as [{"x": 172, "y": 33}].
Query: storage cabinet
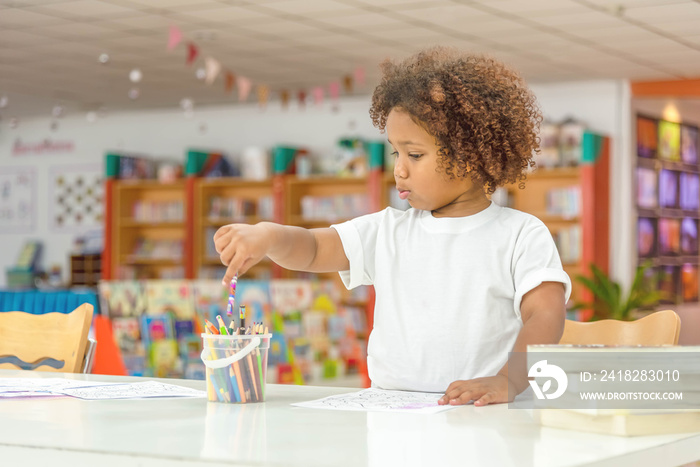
[{"x": 85, "y": 270}]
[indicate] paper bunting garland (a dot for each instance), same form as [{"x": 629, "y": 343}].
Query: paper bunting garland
[
  {"x": 318, "y": 95},
  {"x": 284, "y": 97},
  {"x": 263, "y": 94},
  {"x": 244, "y": 87},
  {"x": 334, "y": 90},
  {"x": 192, "y": 53},
  {"x": 174, "y": 37},
  {"x": 347, "y": 83},
  {"x": 230, "y": 81},
  {"x": 360, "y": 75},
  {"x": 213, "y": 67}
]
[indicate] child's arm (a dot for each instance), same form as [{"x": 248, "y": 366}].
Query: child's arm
[
  {"x": 240, "y": 246},
  {"x": 543, "y": 310}
]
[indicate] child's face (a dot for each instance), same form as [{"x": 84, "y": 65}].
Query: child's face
[{"x": 417, "y": 176}]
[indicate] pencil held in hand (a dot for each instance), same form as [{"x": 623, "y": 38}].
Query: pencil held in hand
[{"x": 232, "y": 296}]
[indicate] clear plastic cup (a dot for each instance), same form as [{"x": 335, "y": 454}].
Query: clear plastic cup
[{"x": 236, "y": 367}]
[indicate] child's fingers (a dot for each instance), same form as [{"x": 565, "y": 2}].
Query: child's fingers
[
  {"x": 454, "y": 391},
  {"x": 221, "y": 231},
  {"x": 486, "y": 399},
  {"x": 222, "y": 238},
  {"x": 466, "y": 397},
  {"x": 231, "y": 271}
]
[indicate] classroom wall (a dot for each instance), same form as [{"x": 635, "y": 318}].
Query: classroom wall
[{"x": 168, "y": 134}]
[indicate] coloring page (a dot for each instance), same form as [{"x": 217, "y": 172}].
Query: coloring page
[
  {"x": 378, "y": 400},
  {"x": 145, "y": 389}
]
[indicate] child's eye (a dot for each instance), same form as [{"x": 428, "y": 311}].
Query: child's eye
[
  {"x": 395, "y": 153},
  {"x": 415, "y": 156}
]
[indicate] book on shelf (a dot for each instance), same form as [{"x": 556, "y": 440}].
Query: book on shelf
[
  {"x": 158, "y": 211},
  {"x": 564, "y": 202},
  {"x": 568, "y": 242},
  {"x": 334, "y": 207}
]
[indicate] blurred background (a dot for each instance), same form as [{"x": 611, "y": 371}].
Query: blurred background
[{"x": 131, "y": 130}]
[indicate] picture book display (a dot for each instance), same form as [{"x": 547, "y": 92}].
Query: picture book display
[
  {"x": 667, "y": 199},
  {"x": 170, "y": 296},
  {"x": 689, "y": 144},
  {"x": 157, "y": 325}
]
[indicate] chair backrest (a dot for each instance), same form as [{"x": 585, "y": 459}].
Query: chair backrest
[
  {"x": 659, "y": 328},
  {"x": 48, "y": 342}
]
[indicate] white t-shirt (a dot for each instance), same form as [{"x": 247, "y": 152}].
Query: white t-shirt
[{"x": 448, "y": 290}]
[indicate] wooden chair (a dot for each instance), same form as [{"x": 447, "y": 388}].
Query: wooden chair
[
  {"x": 46, "y": 342},
  {"x": 659, "y": 328}
]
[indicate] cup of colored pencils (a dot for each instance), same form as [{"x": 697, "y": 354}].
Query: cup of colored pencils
[{"x": 236, "y": 362}]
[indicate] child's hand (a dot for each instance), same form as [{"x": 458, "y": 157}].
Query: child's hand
[
  {"x": 483, "y": 391},
  {"x": 240, "y": 246}
]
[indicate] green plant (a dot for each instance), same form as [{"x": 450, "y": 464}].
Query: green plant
[{"x": 608, "y": 299}]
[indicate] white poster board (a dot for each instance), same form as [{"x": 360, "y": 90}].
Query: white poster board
[{"x": 17, "y": 199}]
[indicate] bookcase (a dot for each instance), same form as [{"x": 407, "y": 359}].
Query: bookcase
[
  {"x": 667, "y": 177},
  {"x": 166, "y": 219},
  {"x": 220, "y": 201},
  {"x": 573, "y": 202},
  {"x": 147, "y": 234}
]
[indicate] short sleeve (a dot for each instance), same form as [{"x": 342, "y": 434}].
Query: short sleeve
[
  {"x": 536, "y": 260},
  {"x": 359, "y": 238}
]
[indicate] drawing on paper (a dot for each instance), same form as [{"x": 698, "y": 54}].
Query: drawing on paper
[{"x": 381, "y": 401}]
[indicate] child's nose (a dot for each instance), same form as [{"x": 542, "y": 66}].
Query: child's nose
[{"x": 400, "y": 169}]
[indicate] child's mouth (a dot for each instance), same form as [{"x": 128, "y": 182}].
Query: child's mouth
[{"x": 403, "y": 194}]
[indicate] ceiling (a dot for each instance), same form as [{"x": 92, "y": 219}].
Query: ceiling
[{"x": 49, "y": 49}]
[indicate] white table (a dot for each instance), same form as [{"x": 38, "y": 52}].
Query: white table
[{"x": 192, "y": 432}]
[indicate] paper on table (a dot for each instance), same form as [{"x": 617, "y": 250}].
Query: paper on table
[
  {"x": 146, "y": 389},
  {"x": 380, "y": 400},
  {"x": 36, "y": 387},
  {"x": 32, "y": 387}
]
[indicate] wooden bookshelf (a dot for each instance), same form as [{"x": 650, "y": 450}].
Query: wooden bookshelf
[
  {"x": 220, "y": 201},
  {"x": 590, "y": 217},
  {"x": 337, "y": 200},
  {"x": 148, "y": 229}
]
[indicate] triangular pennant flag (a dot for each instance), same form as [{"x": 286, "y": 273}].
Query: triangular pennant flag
[
  {"x": 263, "y": 94},
  {"x": 334, "y": 89},
  {"x": 318, "y": 95},
  {"x": 360, "y": 75},
  {"x": 347, "y": 83},
  {"x": 284, "y": 97},
  {"x": 302, "y": 98},
  {"x": 174, "y": 37},
  {"x": 230, "y": 81},
  {"x": 192, "y": 53},
  {"x": 244, "y": 86},
  {"x": 212, "y": 67}
]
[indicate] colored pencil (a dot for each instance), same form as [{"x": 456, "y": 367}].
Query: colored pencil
[{"x": 232, "y": 296}]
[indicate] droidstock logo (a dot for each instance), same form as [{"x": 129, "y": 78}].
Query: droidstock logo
[{"x": 543, "y": 370}]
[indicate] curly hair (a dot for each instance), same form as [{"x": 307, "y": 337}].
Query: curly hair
[{"x": 484, "y": 118}]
